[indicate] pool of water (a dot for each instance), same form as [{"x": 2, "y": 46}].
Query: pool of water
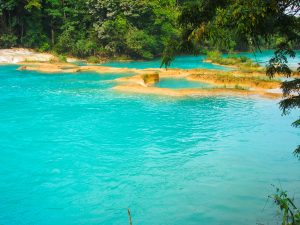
[
  {"x": 263, "y": 57},
  {"x": 75, "y": 152},
  {"x": 180, "y": 84},
  {"x": 183, "y": 62},
  {"x": 192, "y": 62}
]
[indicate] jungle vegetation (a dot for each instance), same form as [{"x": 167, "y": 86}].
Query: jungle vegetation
[
  {"x": 89, "y": 28},
  {"x": 133, "y": 29}
]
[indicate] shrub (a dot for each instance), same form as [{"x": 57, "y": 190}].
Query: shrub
[
  {"x": 84, "y": 48},
  {"x": 8, "y": 40},
  {"x": 62, "y": 58},
  {"x": 140, "y": 44},
  {"x": 244, "y": 58},
  {"x": 65, "y": 41},
  {"x": 44, "y": 47},
  {"x": 34, "y": 39},
  {"x": 93, "y": 59},
  {"x": 214, "y": 55}
]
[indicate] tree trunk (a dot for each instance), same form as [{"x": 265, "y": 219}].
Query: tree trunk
[
  {"x": 9, "y": 22},
  {"x": 22, "y": 32},
  {"x": 52, "y": 36},
  {"x": 63, "y": 6}
]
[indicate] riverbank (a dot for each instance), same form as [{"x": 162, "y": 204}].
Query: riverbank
[{"x": 18, "y": 55}]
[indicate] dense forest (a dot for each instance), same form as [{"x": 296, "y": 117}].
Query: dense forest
[
  {"x": 107, "y": 28},
  {"x": 236, "y": 25},
  {"x": 118, "y": 28}
]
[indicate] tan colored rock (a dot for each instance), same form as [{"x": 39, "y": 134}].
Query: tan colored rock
[
  {"x": 138, "y": 89},
  {"x": 17, "y": 55},
  {"x": 150, "y": 79}
]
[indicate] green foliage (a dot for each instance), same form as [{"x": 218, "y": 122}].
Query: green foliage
[
  {"x": 84, "y": 48},
  {"x": 238, "y": 87},
  {"x": 290, "y": 213},
  {"x": 138, "y": 29},
  {"x": 8, "y": 40},
  {"x": 214, "y": 55},
  {"x": 140, "y": 44},
  {"x": 227, "y": 25},
  {"x": 83, "y": 28},
  {"x": 242, "y": 62},
  {"x": 169, "y": 53},
  {"x": 58, "y": 58},
  {"x": 244, "y": 59},
  {"x": 36, "y": 40},
  {"x": 92, "y": 59},
  {"x": 291, "y": 88},
  {"x": 44, "y": 47},
  {"x": 65, "y": 42},
  {"x": 278, "y": 64},
  {"x": 62, "y": 58}
]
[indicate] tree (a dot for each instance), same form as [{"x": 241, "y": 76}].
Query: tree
[
  {"x": 83, "y": 28},
  {"x": 137, "y": 29},
  {"x": 206, "y": 22}
]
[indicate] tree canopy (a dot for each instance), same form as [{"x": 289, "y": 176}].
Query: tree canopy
[
  {"x": 237, "y": 24},
  {"x": 107, "y": 28}
]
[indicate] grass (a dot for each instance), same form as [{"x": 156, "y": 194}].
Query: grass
[
  {"x": 239, "y": 82},
  {"x": 31, "y": 61},
  {"x": 242, "y": 62},
  {"x": 58, "y": 58},
  {"x": 240, "y": 87},
  {"x": 93, "y": 59}
]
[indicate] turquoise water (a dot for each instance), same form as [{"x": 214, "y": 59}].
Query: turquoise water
[
  {"x": 263, "y": 57},
  {"x": 180, "y": 84},
  {"x": 183, "y": 62},
  {"x": 192, "y": 62},
  {"x": 75, "y": 152}
]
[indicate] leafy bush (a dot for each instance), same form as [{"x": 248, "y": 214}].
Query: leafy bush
[
  {"x": 111, "y": 34},
  {"x": 290, "y": 213},
  {"x": 34, "y": 39},
  {"x": 214, "y": 55},
  {"x": 84, "y": 48},
  {"x": 244, "y": 58},
  {"x": 243, "y": 62},
  {"x": 93, "y": 59},
  {"x": 8, "y": 40},
  {"x": 65, "y": 41},
  {"x": 44, "y": 47},
  {"x": 140, "y": 44},
  {"x": 62, "y": 58},
  {"x": 58, "y": 58}
]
